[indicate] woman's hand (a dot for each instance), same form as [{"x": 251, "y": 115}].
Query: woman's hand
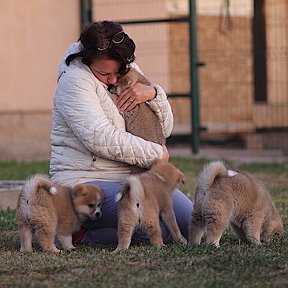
[{"x": 135, "y": 95}]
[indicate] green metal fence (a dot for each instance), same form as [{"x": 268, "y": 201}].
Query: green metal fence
[
  {"x": 87, "y": 16},
  {"x": 243, "y": 87}
]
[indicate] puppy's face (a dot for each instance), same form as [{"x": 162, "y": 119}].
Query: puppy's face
[
  {"x": 273, "y": 227},
  {"x": 168, "y": 171},
  {"x": 126, "y": 81},
  {"x": 88, "y": 200}
]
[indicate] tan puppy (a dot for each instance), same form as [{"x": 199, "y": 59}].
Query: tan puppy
[
  {"x": 144, "y": 199},
  {"x": 226, "y": 197},
  {"x": 141, "y": 121},
  {"x": 50, "y": 209},
  {"x": 130, "y": 79}
]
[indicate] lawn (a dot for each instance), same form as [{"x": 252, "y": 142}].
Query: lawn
[{"x": 234, "y": 264}]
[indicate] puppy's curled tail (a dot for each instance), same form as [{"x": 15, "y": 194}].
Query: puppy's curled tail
[
  {"x": 210, "y": 172},
  {"x": 125, "y": 190},
  {"x": 38, "y": 181},
  {"x": 132, "y": 189},
  {"x": 30, "y": 188}
]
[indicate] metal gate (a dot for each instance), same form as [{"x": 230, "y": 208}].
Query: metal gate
[
  {"x": 136, "y": 27},
  {"x": 244, "y": 44}
]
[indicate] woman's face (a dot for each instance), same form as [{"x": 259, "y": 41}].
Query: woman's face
[{"x": 106, "y": 70}]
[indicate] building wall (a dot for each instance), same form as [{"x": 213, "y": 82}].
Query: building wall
[
  {"x": 34, "y": 36},
  {"x": 152, "y": 40},
  {"x": 36, "y": 33},
  {"x": 274, "y": 113},
  {"x": 226, "y": 81}
]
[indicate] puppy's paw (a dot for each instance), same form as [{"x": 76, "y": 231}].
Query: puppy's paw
[
  {"x": 215, "y": 244},
  {"x": 26, "y": 250},
  {"x": 119, "y": 249},
  {"x": 161, "y": 245},
  {"x": 70, "y": 248},
  {"x": 49, "y": 248},
  {"x": 183, "y": 240}
]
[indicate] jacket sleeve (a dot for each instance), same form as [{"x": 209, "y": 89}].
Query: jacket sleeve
[
  {"x": 77, "y": 100},
  {"x": 161, "y": 106}
]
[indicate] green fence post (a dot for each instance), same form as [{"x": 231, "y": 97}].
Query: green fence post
[
  {"x": 194, "y": 92},
  {"x": 86, "y": 12}
]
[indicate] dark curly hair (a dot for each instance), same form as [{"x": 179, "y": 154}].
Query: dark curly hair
[{"x": 93, "y": 36}]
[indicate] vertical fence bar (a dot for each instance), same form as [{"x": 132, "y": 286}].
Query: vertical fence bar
[
  {"x": 86, "y": 16},
  {"x": 86, "y": 12},
  {"x": 194, "y": 91}
]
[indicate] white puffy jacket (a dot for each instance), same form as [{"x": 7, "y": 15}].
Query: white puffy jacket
[{"x": 88, "y": 137}]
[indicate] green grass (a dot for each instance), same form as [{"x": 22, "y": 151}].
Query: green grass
[
  {"x": 7, "y": 220},
  {"x": 232, "y": 265},
  {"x": 13, "y": 170}
]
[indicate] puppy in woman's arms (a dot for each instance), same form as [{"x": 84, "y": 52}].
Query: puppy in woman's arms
[
  {"x": 225, "y": 197},
  {"x": 141, "y": 121},
  {"x": 144, "y": 199},
  {"x": 50, "y": 209}
]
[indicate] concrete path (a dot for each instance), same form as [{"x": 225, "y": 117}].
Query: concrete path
[
  {"x": 231, "y": 154},
  {"x": 9, "y": 193}
]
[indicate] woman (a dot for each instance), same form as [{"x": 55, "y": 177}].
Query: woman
[{"x": 88, "y": 139}]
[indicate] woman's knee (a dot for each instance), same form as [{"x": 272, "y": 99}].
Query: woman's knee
[{"x": 183, "y": 208}]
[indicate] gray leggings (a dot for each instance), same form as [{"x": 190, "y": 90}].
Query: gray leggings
[{"x": 104, "y": 230}]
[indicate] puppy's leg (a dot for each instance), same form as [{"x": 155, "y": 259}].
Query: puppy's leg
[
  {"x": 169, "y": 219},
  {"x": 45, "y": 232},
  {"x": 239, "y": 231},
  {"x": 252, "y": 227},
  {"x": 153, "y": 229},
  {"x": 66, "y": 242},
  {"x": 125, "y": 231},
  {"x": 216, "y": 224},
  {"x": 196, "y": 228},
  {"x": 64, "y": 236},
  {"x": 25, "y": 234},
  {"x": 46, "y": 239},
  {"x": 127, "y": 221},
  {"x": 217, "y": 215}
]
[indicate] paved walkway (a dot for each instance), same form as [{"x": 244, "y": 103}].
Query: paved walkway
[{"x": 231, "y": 154}]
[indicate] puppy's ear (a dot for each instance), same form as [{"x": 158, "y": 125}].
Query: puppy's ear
[
  {"x": 101, "y": 192},
  {"x": 128, "y": 70},
  {"x": 130, "y": 82},
  {"x": 156, "y": 162},
  {"x": 181, "y": 177},
  {"x": 79, "y": 191}
]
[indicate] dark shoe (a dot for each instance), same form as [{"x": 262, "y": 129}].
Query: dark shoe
[{"x": 78, "y": 236}]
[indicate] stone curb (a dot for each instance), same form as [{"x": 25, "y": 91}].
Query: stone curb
[
  {"x": 9, "y": 193},
  {"x": 230, "y": 154}
]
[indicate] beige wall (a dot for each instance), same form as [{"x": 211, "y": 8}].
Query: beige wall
[
  {"x": 152, "y": 40},
  {"x": 226, "y": 82},
  {"x": 34, "y": 36}
]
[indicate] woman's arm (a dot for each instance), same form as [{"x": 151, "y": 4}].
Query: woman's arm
[{"x": 77, "y": 99}]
